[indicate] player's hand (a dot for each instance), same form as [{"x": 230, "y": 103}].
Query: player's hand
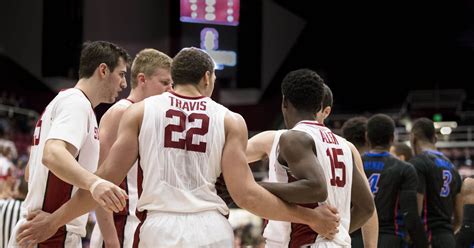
[
  {"x": 37, "y": 229},
  {"x": 110, "y": 196},
  {"x": 326, "y": 221}
]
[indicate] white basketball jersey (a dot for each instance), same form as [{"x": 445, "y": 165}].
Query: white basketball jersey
[
  {"x": 276, "y": 233},
  {"x": 180, "y": 145},
  {"x": 69, "y": 117},
  {"x": 131, "y": 179},
  {"x": 335, "y": 156}
]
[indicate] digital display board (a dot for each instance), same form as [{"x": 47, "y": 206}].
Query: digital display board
[{"x": 218, "y": 12}]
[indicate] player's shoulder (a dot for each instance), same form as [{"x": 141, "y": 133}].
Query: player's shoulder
[
  {"x": 71, "y": 100},
  {"x": 234, "y": 122},
  {"x": 419, "y": 160},
  {"x": 296, "y": 138},
  {"x": 351, "y": 146},
  {"x": 72, "y": 95},
  {"x": 403, "y": 165},
  {"x": 115, "y": 112},
  {"x": 265, "y": 135}
]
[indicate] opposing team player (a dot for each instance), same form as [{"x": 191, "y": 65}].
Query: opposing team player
[
  {"x": 393, "y": 183},
  {"x": 439, "y": 185},
  {"x": 354, "y": 130}
]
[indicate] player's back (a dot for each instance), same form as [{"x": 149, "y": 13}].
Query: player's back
[
  {"x": 335, "y": 157},
  {"x": 126, "y": 220},
  {"x": 387, "y": 175},
  {"x": 441, "y": 183},
  {"x": 180, "y": 146},
  {"x": 129, "y": 184}
]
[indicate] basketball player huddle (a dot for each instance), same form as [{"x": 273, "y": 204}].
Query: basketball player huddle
[{"x": 150, "y": 168}]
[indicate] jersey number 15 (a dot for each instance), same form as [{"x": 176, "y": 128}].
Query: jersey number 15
[{"x": 339, "y": 181}]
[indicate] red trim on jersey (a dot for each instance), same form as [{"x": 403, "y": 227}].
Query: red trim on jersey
[
  {"x": 264, "y": 225},
  {"x": 301, "y": 234},
  {"x": 119, "y": 222},
  {"x": 140, "y": 215},
  {"x": 56, "y": 194},
  {"x": 56, "y": 241},
  {"x": 187, "y": 97},
  {"x": 129, "y": 100},
  {"x": 311, "y": 123},
  {"x": 120, "y": 218},
  {"x": 124, "y": 185}
]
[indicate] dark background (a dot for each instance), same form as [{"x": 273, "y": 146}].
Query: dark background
[{"x": 371, "y": 54}]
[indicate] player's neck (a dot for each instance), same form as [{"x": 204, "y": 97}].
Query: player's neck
[
  {"x": 92, "y": 94},
  {"x": 362, "y": 149},
  {"x": 189, "y": 90},
  {"x": 378, "y": 149},
  {"x": 298, "y": 117},
  {"x": 425, "y": 146},
  {"x": 135, "y": 95}
]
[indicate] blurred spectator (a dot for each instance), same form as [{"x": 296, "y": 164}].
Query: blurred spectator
[
  {"x": 402, "y": 151},
  {"x": 10, "y": 150}
]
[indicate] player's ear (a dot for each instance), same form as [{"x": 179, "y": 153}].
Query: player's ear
[
  {"x": 141, "y": 78},
  {"x": 102, "y": 69},
  {"x": 327, "y": 111},
  {"x": 207, "y": 78},
  {"x": 284, "y": 102}
]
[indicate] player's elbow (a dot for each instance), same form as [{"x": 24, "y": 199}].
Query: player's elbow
[
  {"x": 243, "y": 200},
  {"x": 317, "y": 192},
  {"x": 365, "y": 208},
  {"x": 369, "y": 210},
  {"x": 50, "y": 156}
]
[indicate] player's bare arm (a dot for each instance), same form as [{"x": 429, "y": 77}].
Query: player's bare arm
[
  {"x": 259, "y": 146},
  {"x": 108, "y": 127},
  {"x": 122, "y": 155},
  {"x": 58, "y": 156},
  {"x": 248, "y": 194},
  {"x": 363, "y": 206},
  {"x": 458, "y": 212},
  {"x": 465, "y": 197},
  {"x": 297, "y": 151},
  {"x": 370, "y": 230},
  {"x": 467, "y": 191}
]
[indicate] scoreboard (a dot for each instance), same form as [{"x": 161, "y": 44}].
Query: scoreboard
[
  {"x": 219, "y": 12},
  {"x": 212, "y": 25}
]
